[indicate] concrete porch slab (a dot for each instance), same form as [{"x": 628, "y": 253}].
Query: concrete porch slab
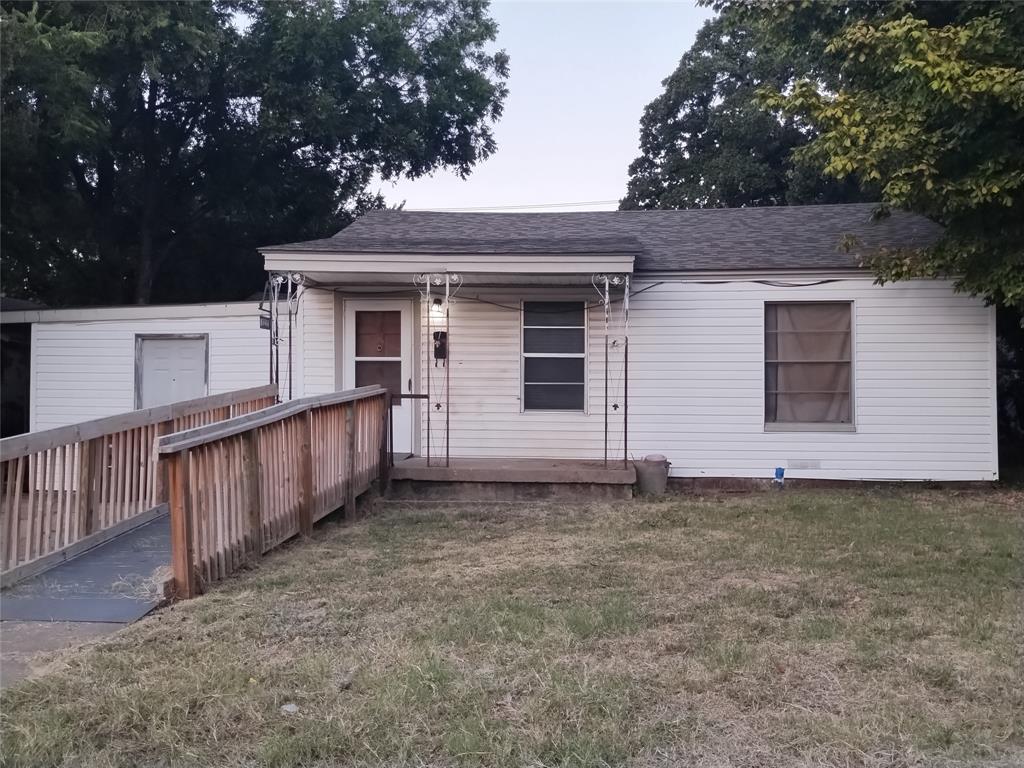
[
  {"x": 547, "y": 471},
  {"x": 452, "y": 491}
]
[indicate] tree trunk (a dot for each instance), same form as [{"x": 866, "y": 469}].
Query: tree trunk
[{"x": 145, "y": 269}]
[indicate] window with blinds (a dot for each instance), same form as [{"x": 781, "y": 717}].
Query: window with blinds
[
  {"x": 554, "y": 355},
  {"x": 808, "y": 363}
]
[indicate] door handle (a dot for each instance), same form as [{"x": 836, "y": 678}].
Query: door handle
[{"x": 410, "y": 386}]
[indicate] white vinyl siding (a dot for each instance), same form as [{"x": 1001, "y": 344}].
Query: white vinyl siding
[
  {"x": 487, "y": 418},
  {"x": 924, "y": 376},
  {"x": 85, "y": 369},
  {"x": 924, "y": 384},
  {"x": 317, "y": 364},
  {"x": 924, "y": 401}
]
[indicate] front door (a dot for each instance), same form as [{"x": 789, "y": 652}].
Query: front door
[{"x": 378, "y": 350}]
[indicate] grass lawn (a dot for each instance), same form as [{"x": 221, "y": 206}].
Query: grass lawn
[{"x": 814, "y": 628}]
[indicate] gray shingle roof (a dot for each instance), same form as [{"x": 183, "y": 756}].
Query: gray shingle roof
[{"x": 785, "y": 237}]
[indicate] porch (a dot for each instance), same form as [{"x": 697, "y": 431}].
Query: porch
[{"x": 518, "y": 353}]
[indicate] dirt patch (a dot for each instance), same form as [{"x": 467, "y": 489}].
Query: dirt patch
[{"x": 33, "y": 648}]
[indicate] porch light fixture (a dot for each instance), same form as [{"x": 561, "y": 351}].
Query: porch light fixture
[{"x": 437, "y": 308}]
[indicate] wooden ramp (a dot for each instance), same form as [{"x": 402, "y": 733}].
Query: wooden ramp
[
  {"x": 119, "y": 581},
  {"x": 84, "y": 530},
  {"x": 65, "y": 490}
]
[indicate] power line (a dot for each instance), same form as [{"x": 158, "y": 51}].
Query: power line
[{"x": 515, "y": 207}]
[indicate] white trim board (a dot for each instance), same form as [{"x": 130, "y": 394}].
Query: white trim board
[
  {"x": 324, "y": 262},
  {"x": 146, "y": 312}
]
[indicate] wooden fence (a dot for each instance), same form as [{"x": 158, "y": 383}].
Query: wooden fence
[
  {"x": 60, "y": 486},
  {"x": 242, "y": 487}
]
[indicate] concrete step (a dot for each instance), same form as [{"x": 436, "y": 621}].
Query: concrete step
[
  {"x": 460, "y": 490},
  {"x": 469, "y": 479}
]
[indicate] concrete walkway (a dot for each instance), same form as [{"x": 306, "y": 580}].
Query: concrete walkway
[{"x": 24, "y": 645}]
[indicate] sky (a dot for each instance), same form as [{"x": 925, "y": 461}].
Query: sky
[{"x": 581, "y": 75}]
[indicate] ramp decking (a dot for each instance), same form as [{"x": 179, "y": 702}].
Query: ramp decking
[{"x": 118, "y": 581}]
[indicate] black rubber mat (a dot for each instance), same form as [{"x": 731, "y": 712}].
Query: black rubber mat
[{"x": 118, "y": 581}]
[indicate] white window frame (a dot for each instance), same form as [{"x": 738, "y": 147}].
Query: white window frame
[
  {"x": 798, "y": 426},
  {"x": 523, "y": 354}
]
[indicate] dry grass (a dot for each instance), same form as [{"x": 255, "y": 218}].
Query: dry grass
[
  {"x": 150, "y": 587},
  {"x": 786, "y": 629}
]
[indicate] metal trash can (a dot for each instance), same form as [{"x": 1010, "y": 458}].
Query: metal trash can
[{"x": 652, "y": 474}]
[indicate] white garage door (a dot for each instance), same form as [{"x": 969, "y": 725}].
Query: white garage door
[{"x": 170, "y": 370}]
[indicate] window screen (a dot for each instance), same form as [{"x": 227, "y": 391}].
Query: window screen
[
  {"x": 808, "y": 370},
  {"x": 554, "y": 355}
]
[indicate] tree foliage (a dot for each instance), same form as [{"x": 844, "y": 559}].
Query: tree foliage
[
  {"x": 927, "y": 102},
  {"x": 705, "y": 142},
  {"x": 148, "y": 148}
]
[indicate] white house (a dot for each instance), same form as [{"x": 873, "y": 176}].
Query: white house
[{"x": 733, "y": 341}]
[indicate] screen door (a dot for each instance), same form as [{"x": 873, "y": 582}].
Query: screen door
[{"x": 379, "y": 351}]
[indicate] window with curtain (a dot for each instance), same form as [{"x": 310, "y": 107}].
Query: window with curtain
[
  {"x": 554, "y": 355},
  {"x": 808, "y": 373}
]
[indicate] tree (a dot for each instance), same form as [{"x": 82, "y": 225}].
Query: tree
[
  {"x": 138, "y": 137},
  {"x": 928, "y": 103},
  {"x": 705, "y": 142}
]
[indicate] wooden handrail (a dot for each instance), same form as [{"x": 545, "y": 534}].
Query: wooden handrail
[
  {"x": 243, "y": 486},
  {"x": 34, "y": 442},
  {"x": 62, "y": 487},
  {"x": 201, "y": 435}
]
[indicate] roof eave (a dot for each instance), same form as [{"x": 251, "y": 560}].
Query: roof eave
[{"x": 355, "y": 263}]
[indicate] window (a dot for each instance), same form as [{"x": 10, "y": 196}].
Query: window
[
  {"x": 554, "y": 355},
  {"x": 379, "y": 348},
  {"x": 808, "y": 363}
]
